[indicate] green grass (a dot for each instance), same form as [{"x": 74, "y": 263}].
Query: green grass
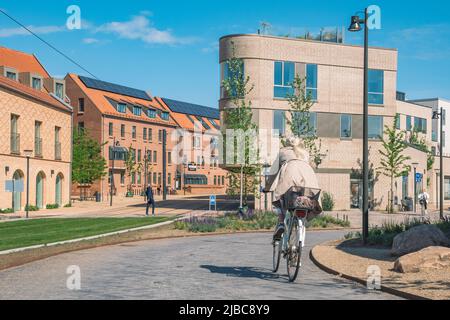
[
  {"x": 325, "y": 221},
  {"x": 24, "y": 233}
]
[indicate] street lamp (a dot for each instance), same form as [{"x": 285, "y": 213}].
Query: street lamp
[
  {"x": 415, "y": 165},
  {"x": 115, "y": 144},
  {"x": 185, "y": 163},
  {"x": 266, "y": 167},
  {"x": 28, "y": 154},
  {"x": 440, "y": 115},
  {"x": 355, "y": 26}
]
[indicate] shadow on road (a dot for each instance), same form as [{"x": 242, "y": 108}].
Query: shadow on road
[{"x": 243, "y": 272}]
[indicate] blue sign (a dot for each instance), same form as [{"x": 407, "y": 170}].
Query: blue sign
[
  {"x": 212, "y": 200},
  {"x": 419, "y": 177}
]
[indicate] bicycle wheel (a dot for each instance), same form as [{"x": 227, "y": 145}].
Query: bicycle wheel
[
  {"x": 294, "y": 251},
  {"x": 277, "y": 247}
]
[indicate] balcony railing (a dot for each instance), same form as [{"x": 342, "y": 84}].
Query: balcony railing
[
  {"x": 57, "y": 150},
  {"x": 15, "y": 143},
  {"x": 38, "y": 147}
]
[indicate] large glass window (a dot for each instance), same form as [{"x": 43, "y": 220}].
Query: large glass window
[
  {"x": 420, "y": 125},
  {"x": 346, "y": 126},
  {"x": 375, "y": 127},
  {"x": 376, "y": 86},
  {"x": 284, "y": 73},
  {"x": 279, "y": 121},
  {"x": 227, "y": 74},
  {"x": 311, "y": 81}
]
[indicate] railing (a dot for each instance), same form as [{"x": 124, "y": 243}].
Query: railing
[
  {"x": 38, "y": 147},
  {"x": 57, "y": 150},
  {"x": 15, "y": 143}
]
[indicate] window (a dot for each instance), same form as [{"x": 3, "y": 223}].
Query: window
[
  {"x": 133, "y": 132},
  {"x": 80, "y": 126},
  {"x": 150, "y": 134},
  {"x": 196, "y": 142},
  {"x": 215, "y": 180},
  {"x": 151, "y": 113},
  {"x": 304, "y": 129},
  {"x": 133, "y": 155},
  {"x": 376, "y": 86},
  {"x": 195, "y": 179},
  {"x": 223, "y": 180},
  {"x": 139, "y": 157},
  {"x": 37, "y": 139},
  {"x": 375, "y": 127},
  {"x": 154, "y": 177},
  {"x": 137, "y": 111},
  {"x": 15, "y": 137},
  {"x": 110, "y": 129},
  {"x": 133, "y": 178},
  {"x": 36, "y": 83},
  {"x": 122, "y": 178},
  {"x": 169, "y": 157},
  {"x": 311, "y": 81},
  {"x": 11, "y": 75},
  {"x": 139, "y": 178},
  {"x": 155, "y": 156},
  {"x": 59, "y": 90},
  {"x": 284, "y": 73},
  {"x": 165, "y": 116},
  {"x": 408, "y": 123},
  {"x": 169, "y": 179},
  {"x": 145, "y": 134},
  {"x": 81, "y": 105},
  {"x": 279, "y": 121},
  {"x": 159, "y": 178},
  {"x": 122, "y": 107},
  {"x": 397, "y": 122},
  {"x": 447, "y": 188},
  {"x": 227, "y": 74},
  {"x": 346, "y": 126},
  {"x": 58, "y": 143},
  {"x": 122, "y": 130},
  {"x": 160, "y": 136},
  {"x": 420, "y": 125}
]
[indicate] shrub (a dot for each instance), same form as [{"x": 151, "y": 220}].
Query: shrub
[
  {"x": 31, "y": 208},
  {"x": 325, "y": 221},
  {"x": 6, "y": 211},
  {"x": 69, "y": 205},
  {"x": 52, "y": 206},
  {"x": 327, "y": 202}
]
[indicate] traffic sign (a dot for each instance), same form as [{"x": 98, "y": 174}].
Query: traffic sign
[
  {"x": 419, "y": 177},
  {"x": 213, "y": 202}
]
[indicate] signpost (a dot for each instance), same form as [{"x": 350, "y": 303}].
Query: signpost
[{"x": 212, "y": 202}]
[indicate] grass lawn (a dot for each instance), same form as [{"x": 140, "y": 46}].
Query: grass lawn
[{"x": 18, "y": 234}]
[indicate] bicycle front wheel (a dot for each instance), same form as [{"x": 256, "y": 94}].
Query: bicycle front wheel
[
  {"x": 294, "y": 251},
  {"x": 277, "y": 247}
]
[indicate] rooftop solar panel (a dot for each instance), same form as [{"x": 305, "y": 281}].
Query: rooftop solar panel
[
  {"x": 114, "y": 88},
  {"x": 192, "y": 109}
]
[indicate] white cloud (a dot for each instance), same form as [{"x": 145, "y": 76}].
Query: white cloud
[
  {"x": 90, "y": 40},
  {"x": 11, "y": 32},
  {"x": 141, "y": 28}
]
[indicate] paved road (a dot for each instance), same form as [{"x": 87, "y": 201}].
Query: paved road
[{"x": 217, "y": 267}]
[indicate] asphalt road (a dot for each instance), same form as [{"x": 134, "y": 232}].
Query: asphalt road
[{"x": 213, "y": 267}]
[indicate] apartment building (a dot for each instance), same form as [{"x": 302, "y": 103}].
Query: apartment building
[
  {"x": 35, "y": 122},
  {"x": 334, "y": 78},
  {"x": 133, "y": 123},
  {"x": 198, "y": 170}
]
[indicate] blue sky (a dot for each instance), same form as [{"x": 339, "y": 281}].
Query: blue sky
[{"x": 171, "y": 47}]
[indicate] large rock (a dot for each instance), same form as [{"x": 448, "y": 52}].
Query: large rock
[
  {"x": 418, "y": 238},
  {"x": 436, "y": 258}
]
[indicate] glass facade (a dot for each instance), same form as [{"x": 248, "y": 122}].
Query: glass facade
[
  {"x": 311, "y": 81},
  {"x": 346, "y": 126},
  {"x": 284, "y": 74},
  {"x": 375, "y": 127},
  {"x": 376, "y": 86}
]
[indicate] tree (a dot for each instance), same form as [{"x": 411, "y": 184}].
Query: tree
[
  {"x": 421, "y": 144},
  {"x": 392, "y": 158},
  {"x": 88, "y": 164},
  {"x": 130, "y": 167},
  {"x": 239, "y": 117},
  {"x": 300, "y": 103}
]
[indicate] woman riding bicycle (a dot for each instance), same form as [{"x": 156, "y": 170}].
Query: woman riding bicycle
[{"x": 292, "y": 169}]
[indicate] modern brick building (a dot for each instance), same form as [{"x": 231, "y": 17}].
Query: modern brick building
[
  {"x": 334, "y": 78},
  {"x": 36, "y": 120},
  {"x": 135, "y": 122}
]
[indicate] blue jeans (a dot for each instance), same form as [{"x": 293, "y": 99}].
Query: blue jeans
[{"x": 150, "y": 203}]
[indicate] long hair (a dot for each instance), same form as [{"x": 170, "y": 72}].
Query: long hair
[{"x": 298, "y": 147}]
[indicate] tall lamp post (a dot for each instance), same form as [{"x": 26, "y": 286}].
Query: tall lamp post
[
  {"x": 440, "y": 115},
  {"x": 111, "y": 191},
  {"x": 28, "y": 154},
  {"x": 415, "y": 165},
  {"x": 355, "y": 26}
]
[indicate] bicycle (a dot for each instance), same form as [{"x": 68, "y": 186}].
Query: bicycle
[{"x": 293, "y": 239}]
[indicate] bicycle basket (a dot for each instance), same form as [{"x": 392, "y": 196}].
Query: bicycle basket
[{"x": 294, "y": 198}]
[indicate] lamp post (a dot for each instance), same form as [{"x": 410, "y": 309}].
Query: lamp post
[
  {"x": 28, "y": 154},
  {"x": 415, "y": 165},
  {"x": 440, "y": 115},
  {"x": 111, "y": 192},
  {"x": 355, "y": 26},
  {"x": 266, "y": 174},
  {"x": 184, "y": 173}
]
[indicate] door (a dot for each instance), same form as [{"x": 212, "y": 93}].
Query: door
[
  {"x": 58, "y": 190},
  {"x": 355, "y": 194},
  {"x": 40, "y": 191},
  {"x": 17, "y": 194}
]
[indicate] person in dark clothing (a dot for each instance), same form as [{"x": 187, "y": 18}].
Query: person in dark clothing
[{"x": 150, "y": 200}]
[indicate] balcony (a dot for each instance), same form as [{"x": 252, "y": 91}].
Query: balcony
[
  {"x": 38, "y": 147},
  {"x": 58, "y": 151},
  {"x": 15, "y": 143}
]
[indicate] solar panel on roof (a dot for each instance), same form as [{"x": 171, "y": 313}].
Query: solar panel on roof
[
  {"x": 114, "y": 88},
  {"x": 193, "y": 109}
]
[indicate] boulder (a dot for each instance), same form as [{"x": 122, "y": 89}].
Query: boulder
[
  {"x": 418, "y": 238},
  {"x": 431, "y": 258}
]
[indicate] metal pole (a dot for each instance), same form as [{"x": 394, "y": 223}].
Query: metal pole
[
  {"x": 112, "y": 173},
  {"x": 242, "y": 187},
  {"x": 415, "y": 189},
  {"x": 164, "y": 148},
  {"x": 441, "y": 182},
  {"x": 365, "y": 206},
  {"x": 145, "y": 172},
  {"x": 27, "y": 208}
]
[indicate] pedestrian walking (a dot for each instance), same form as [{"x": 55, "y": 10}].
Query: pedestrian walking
[
  {"x": 424, "y": 197},
  {"x": 150, "y": 200}
]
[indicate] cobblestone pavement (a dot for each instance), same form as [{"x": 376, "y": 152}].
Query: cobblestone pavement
[{"x": 212, "y": 267}]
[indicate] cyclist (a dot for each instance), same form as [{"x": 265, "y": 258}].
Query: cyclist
[{"x": 292, "y": 170}]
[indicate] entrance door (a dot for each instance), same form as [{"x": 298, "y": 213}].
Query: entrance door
[
  {"x": 58, "y": 190},
  {"x": 355, "y": 194},
  {"x": 40, "y": 191},
  {"x": 17, "y": 195}
]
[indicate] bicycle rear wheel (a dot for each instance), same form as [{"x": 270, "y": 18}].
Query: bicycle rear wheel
[
  {"x": 277, "y": 247},
  {"x": 294, "y": 251}
]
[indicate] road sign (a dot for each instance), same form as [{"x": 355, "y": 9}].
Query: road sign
[
  {"x": 192, "y": 167},
  {"x": 213, "y": 202},
  {"x": 419, "y": 177}
]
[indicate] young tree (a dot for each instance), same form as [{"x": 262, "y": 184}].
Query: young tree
[
  {"x": 392, "y": 158},
  {"x": 88, "y": 164},
  {"x": 239, "y": 117},
  {"x": 130, "y": 167},
  {"x": 300, "y": 103},
  {"x": 421, "y": 144}
]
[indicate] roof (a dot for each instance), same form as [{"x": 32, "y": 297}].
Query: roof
[
  {"x": 22, "y": 62},
  {"x": 114, "y": 88},
  {"x": 29, "y": 92},
  {"x": 192, "y": 109},
  {"x": 106, "y": 101},
  {"x": 429, "y": 100}
]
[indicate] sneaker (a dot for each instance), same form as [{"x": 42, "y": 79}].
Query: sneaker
[{"x": 278, "y": 232}]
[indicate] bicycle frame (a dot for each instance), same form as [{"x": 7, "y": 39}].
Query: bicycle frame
[{"x": 289, "y": 222}]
